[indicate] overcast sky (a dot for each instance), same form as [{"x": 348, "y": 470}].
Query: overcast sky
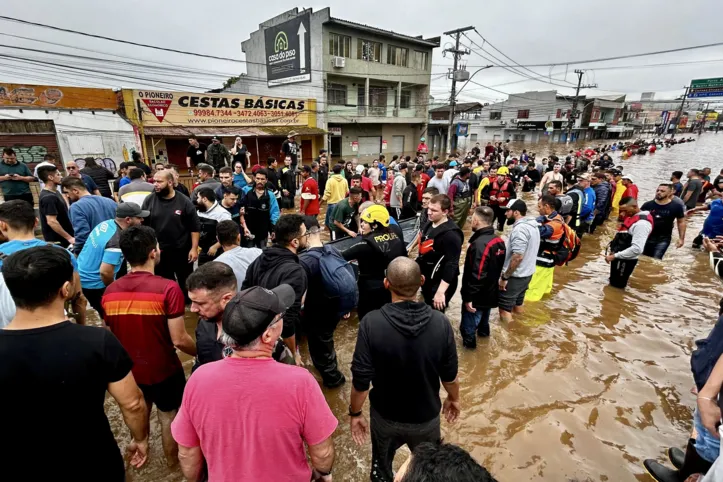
[{"x": 528, "y": 31}]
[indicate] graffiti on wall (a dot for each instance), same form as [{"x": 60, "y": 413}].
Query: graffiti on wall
[
  {"x": 106, "y": 162},
  {"x": 29, "y": 154}
]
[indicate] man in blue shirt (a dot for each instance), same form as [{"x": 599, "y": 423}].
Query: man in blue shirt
[
  {"x": 17, "y": 224},
  {"x": 86, "y": 210},
  {"x": 101, "y": 257}
]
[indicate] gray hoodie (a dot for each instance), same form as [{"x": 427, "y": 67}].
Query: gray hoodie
[
  {"x": 400, "y": 184},
  {"x": 525, "y": 240}
]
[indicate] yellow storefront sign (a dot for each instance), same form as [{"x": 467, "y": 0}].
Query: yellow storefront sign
[
  {"x": 165, "y": 108},
  {"x": 710, "y": 116}
]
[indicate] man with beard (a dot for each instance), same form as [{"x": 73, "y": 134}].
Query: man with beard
[
  {"x": 291, "y": 149},
  {"x": 665, "y": 209},
  {"x": 439, "y": 249},
  {"x": 210, "y": 288},
  {"x": 205, "y": 176},
  {"x": 287, "y": 182},
  {"x": 210, "y": 213},
  {"x": 279, "y": 264},
  {"x": 460, "y": 193},
  {"x": 176, "y": 223},
  {"x": 480, "y": 282},
  {"x": 261, "y": 211}
]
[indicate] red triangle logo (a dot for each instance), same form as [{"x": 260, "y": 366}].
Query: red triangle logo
[{"x": 158, "y": 107}]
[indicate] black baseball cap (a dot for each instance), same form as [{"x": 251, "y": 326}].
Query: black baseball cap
[
  {"x": 517, "y": 205},
  {"x": 130, "y": 210},
  {"x": 251, "y": 311}
]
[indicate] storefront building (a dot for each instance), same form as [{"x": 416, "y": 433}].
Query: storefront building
[
  {"x": 68, "y": 123},
  {"x": 165, "y": 121}
]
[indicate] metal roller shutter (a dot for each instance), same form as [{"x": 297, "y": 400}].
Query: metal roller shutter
[
  {"x": 31, "y": 148},
  {"x": 370, "y": 146}
]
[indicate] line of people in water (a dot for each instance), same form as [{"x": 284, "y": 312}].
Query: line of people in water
[{"x": 254, "y": 304}]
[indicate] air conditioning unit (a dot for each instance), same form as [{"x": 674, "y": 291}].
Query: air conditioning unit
[
  {"x": 503, "y": 123},
  {"x": 338, "y": 62},
  {"x": 514, "y": 121}
]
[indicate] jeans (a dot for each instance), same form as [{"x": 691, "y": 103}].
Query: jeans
[
  {"x": 329, "y": 216},
  {"x": 706, "y": 444},
  {"x": 478, "y": 321},
  {"x": 656, "y": 247}
]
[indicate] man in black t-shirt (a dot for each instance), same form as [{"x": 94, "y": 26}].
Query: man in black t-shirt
[
  {"x": 43, "y": 353},
  {"x": 196, "y": 153},
  {"x": 177, "y": 227},
  {"x": 138, "y": 162},
  {"x": 665, "y": 210},
  {"x": 54, "y": 220}
]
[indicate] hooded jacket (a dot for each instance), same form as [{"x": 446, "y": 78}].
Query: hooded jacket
[
  {"x": 482, "y": 268},
  {"x": 404, "y": 350},
  {"x": 336, "y": 189},
  {"x": 277, "y": 265}
]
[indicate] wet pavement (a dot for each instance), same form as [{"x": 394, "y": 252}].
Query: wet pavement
[{"x": 585, "y": 385}]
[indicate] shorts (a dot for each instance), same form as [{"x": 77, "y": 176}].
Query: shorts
[
  {"x": 514, "y": 295},
  {"x": 166, "y": 395}
]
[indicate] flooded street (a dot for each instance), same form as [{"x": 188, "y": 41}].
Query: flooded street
[{"x": 584, "y": 386}]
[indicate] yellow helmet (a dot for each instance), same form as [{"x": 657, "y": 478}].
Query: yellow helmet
[
  {"x": 376, "y": 214},
  {"x": 503, "y": 171}
]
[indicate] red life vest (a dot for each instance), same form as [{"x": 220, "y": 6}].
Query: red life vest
[
  {"x": 623, "y": 239},
  {"x": 499, "y": 192},
  {"x": 628, "y": 223}
]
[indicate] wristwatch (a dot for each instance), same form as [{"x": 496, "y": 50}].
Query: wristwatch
[
  {"x": 354, "y": 414},
  {"x": 505, "y": 278}
]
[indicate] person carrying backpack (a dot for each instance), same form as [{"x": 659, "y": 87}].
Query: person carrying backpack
[
  {"x": 374, "y": 250},
  {"x": 322, "y": 309},
  {"x": 552, "y": 238}
]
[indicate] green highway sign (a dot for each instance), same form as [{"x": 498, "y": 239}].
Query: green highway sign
[
  {"x": 706, "y": 88},
  {"x": 706, "y": 83}
]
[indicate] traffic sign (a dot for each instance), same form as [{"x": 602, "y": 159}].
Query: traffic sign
[{"x": 706, "y": 88}]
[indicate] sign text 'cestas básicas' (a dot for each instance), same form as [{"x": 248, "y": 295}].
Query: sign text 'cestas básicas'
[{"x": 162, "y": 108}]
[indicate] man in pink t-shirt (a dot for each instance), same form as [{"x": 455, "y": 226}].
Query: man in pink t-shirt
[{"x": 249, "y": 416}]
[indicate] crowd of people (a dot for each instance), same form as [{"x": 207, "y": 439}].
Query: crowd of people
[{"x": 253, "y": 265}]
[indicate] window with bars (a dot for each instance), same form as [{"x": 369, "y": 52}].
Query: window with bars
[
  {"x": 495, "y": 115},
  {"x": 420, "y": 60},
  {"x": 336, "y": 94},
  {"x": 369, "y": 51},
  {"x": 397, "y": 56},
  {"x": 339, "y": 45},
  {"x": 523, "y": 114}
]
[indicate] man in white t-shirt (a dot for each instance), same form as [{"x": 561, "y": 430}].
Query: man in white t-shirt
[{"x": 236, "y": 257}]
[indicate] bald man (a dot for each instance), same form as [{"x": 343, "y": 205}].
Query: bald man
[
  {"x": 177, "y": 227},
  {"x": 408, "y": 353},
  {"x": 74, "y": 171}
]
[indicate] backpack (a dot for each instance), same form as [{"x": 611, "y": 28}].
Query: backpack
[
  {"x": 338, "y": 278},
  {"x": 570, "y": 247}
]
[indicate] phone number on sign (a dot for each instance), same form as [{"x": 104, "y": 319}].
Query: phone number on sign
[{"x": 240, "y": 113}]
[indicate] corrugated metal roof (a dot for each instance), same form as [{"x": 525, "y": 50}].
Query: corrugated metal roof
[
  {"x": 431, "y": 42},
  {"x": 459, "y": 107},
  {"x": 267, "y": 131}
]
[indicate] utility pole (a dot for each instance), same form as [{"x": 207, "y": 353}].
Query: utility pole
[
  {"x": 702, "y": 122},
  {"x": 680, "y": 112},
  {"x": 457, "y": 53},
  {"x": 573, "y": 114}
]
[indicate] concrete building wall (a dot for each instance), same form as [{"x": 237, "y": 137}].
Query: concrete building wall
[{"x": 386, "y": 132}]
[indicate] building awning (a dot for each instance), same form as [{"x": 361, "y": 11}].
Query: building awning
[{"x": 266, "y": 131}]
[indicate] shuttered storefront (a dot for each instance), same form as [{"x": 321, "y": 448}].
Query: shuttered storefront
[
  {"x": 31, "y": 140},
  {"x": 370, "y": 146}
]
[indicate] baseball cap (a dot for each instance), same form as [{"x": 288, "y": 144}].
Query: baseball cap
[
  {"x": 516, "y": 205},
  {"x": 130, "y": 210},
  {"x": 251, "y": 311},
  {"x": 453, "y": 164},
  {"x": 584, "y": 176},
  {"x": 214, "y": 138}
]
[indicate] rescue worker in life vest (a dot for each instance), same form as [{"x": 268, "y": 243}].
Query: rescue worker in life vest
[
  {"x": 629, "y": 242},
  {"x": 552, "y": 237},
  {"x": 439, "y": 249},
  {"x": 501, "y": 190},
  {"x": 374, "y": 250}
]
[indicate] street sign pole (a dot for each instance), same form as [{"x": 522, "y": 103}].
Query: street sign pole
[{"x": 680, "y": 111}]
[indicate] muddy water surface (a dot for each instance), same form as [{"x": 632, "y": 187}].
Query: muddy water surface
[{"x": 586, "y": 384}]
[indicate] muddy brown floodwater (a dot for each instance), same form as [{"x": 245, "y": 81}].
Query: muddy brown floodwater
[{"x": 585, "y": 385}]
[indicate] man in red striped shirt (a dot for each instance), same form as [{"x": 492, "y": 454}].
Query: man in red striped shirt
[
  {"x": 145, "y": 312},
  {"x": 309, "y": 205}
]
